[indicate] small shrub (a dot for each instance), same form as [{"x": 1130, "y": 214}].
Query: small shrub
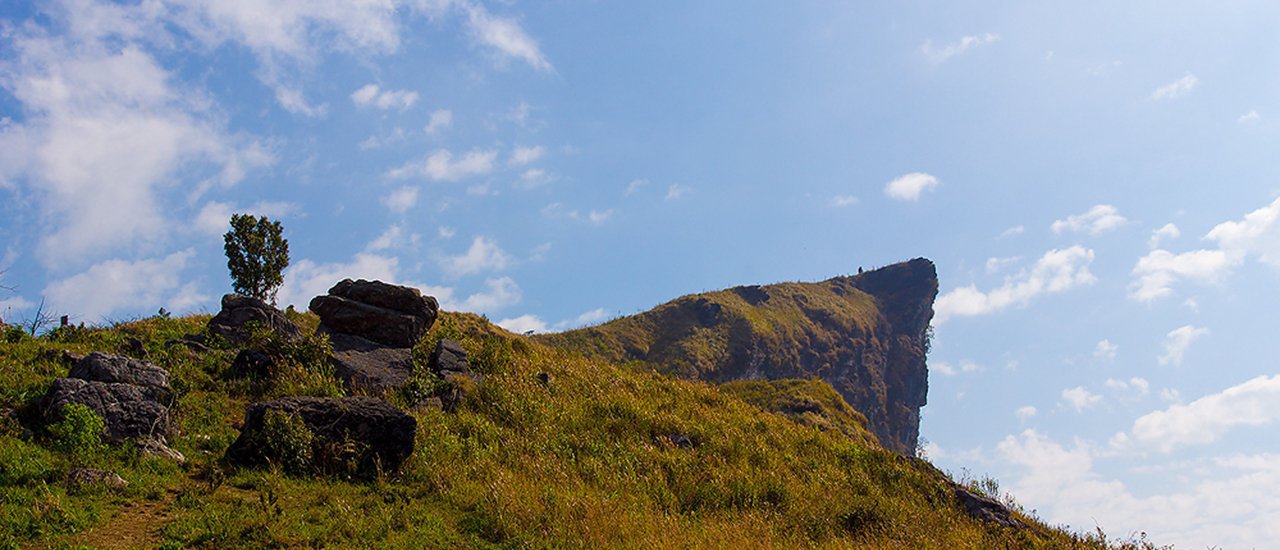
[
  {"x": 22, "y": 463},
  {"x": 79, "y": 432},
  {"x": 286, "y": 441}
]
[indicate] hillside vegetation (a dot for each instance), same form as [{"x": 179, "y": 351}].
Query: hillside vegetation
[{"x": 553, "y": 449}]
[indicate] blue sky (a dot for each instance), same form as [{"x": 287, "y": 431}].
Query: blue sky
[{"x": 1096, "y": 182}]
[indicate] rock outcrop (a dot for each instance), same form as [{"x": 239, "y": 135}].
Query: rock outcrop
[
  {"x": 368, "y": 432},
  {"x": 131, "y": 396},
  {"x": 373, "y": 327},
  {"x": 866, "y": 335},
  {"x": 449, "y": 361},
  {"x": 391, "y": 315},
  {"x": 232, "y": 322}
]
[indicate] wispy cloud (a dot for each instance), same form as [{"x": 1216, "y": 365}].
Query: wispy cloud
[
  {"x": 438, "y": 121},
  {"x": 441, "y": 165},
  {"x": 841, "y": 201},
  {"x": 114, "y": 285},
  {"x": 1177, "y": 88},
  {"x": 1253, "y": 403},
  {"x": 940, "y": 54},
  {"x": 676, "y": 192},
  {"x": 506, "y": 37},
  {"x": 370, "y": 95},
  {"x": 1098, "y": 220},
  {"x": 1178, "y": 341},
  {"x": 521, "y": 156},
  {"x": 1080, "y": 398}
]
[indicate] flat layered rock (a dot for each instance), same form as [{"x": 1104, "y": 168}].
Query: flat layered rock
[
  {"x": 238, "y": 312},
  {"x": 391, "y": 315}
]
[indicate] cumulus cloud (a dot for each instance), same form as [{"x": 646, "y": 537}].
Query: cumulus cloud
[
  {"x": 99, "y": 113},
  {"x": 1098, "y": 220},
  {"x": 500, "y": 293},
  {"x": 909, "y": 187},
  {"x": 940, "y": 54},
  {"x": 402, "y": 199},
  {"x": 438, "y": 121},
  {"x": 441, "y": 165},
  {"x": 947, "y": 369},
  {"x": 1026, "y": 413},
  {"x": 214, "y": 216},
  {"x": 1166, "y": 232},
  {"x": 1105, "y": 350},
  {"x": 1178, "y": 341},
  {"x": 530, "y": 322},
  {"x": 1253, "y": 403},
  {"x": 525, "y": 155},
  {"x": 1057, "y": 271},
  {"x": 1156, "y": 272},
  {"x": 306, "y": 279},
  {"x": 523, "y": 324},
  {"x": 1256, "y": 234},
  {"x": 1177, "y": 88},
  {"x": 1079, "y": 398},
  {"x": 483, "y": 255},
  {"x": 119, "y": 285},
  {"x": 370, "y": 95}
]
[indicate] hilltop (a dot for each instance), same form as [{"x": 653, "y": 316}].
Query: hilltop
[
  {"x": 866, "y": 335},
  {"x": 519, "y": 442}
]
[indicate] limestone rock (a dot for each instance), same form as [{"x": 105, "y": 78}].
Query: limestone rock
[
  {"x": 237, "y": 311},
  {"x": 381, "y": 435},
  {"x": 368, "y": 367},
  {"x": 102, "y": 367},
  {"x": 131, "y": 396}
]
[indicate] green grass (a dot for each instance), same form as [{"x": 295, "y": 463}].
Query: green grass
[{"x": 584, "y": 460}]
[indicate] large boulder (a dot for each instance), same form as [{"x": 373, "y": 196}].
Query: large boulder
[
  {"x": 128, "y": 411},
  {"x": 369, "y": 367},
  {"x": 239, "y": 311},
  {"x": 118, "y": 369},
  {"x": 449, "y": 361},
  {"x": 387, "y": 314},
  {"x": 371, "y": 433}
]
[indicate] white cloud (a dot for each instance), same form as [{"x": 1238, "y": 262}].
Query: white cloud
[
  {"x": 523, "y": 324},
  {"x": 1080, "y": 398},
  {"x": 118, "y": 285},
  {"x": 996, "y": 265},
  {"x": 938, "y": 55},
  {"x": 11, "y": 304},
  {"x": 597, "y": 217},
  {"x": 675, "y": 192},
  {"x": 1178, "y": 341},
  {"x": 306, "y": 279},
  {"x": 402, "y": 199},
  {"x": 214, "y": 216},
  {"x": 947, "y": 369},
  {"x": 500, "y": 294},
  {"x": 441, "y": 166},
  {"x": 1057, "y": 271},
  {"x": 483, "y": 255},
  {"x": 1177, "y": 88},
  {"x": 106, "y": 135},
  {"x": 532, "y": 178},
  {"x": 1137, "y": 384},
  {"x": 439, "y": 120},
  {"x": 1249, "y": 117},
  {"x": 446, "y": 232},
  {"x": 505, "y": 36},
  {"x": 1105, "y": 350},
  {"x": 394, "y": 237},
  {"x": 1253, "y": 403},
  {"x": 1168, "y": 231},
  {"x": 909, "y": 187},
  {"x": 525, "y": 155},
  {"x": 370, "y": 95},
  {"x": 1098, "y": 220},
  {"x": 841, "y": 201},
  {"x": 1257, "y": 234},
  {"x": 1013, "y": 231},
  {"x": 1156, "y": 272},
  {"x": 1026, "y": 413},
  {"x": 634, "y": 186}
]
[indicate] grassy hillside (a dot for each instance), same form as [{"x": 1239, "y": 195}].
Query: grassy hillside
[{"x": 596, "y": 455}]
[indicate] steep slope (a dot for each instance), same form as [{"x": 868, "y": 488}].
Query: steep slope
[
  {"x": 866, "y": 335},
  {"x": 553, "y": 449}
]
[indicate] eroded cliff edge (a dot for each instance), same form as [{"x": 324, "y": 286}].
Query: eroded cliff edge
[{"x": 865, "y": 334}]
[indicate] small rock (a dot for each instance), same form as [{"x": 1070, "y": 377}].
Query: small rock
[
  {"x": 985, "y": 508},
  {"x": 448, "y": 356},
  {"x": 252, "y": 363},
  {"x": 153, "y": 447},
  {"x": 679, "y": 441},
  {"x": 238, "y": 311},
  {"x": 133, "y": 347},
  {"x": 82, "y": 478}
]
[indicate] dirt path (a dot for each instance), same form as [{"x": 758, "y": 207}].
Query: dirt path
[{"x": 134, "y": 525}]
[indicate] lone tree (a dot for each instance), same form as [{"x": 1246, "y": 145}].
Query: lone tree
[{"x": 256, "y": 255}]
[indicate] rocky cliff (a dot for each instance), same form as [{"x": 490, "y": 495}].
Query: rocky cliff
[{"x": 866, "y": 335}]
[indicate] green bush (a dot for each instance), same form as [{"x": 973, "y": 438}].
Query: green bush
[
  {"x": 79, "y": 432},
  {"x": 286, "y": 441}
]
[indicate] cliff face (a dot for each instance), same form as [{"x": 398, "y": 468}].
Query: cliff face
[{"x": 865, "y": 335}]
